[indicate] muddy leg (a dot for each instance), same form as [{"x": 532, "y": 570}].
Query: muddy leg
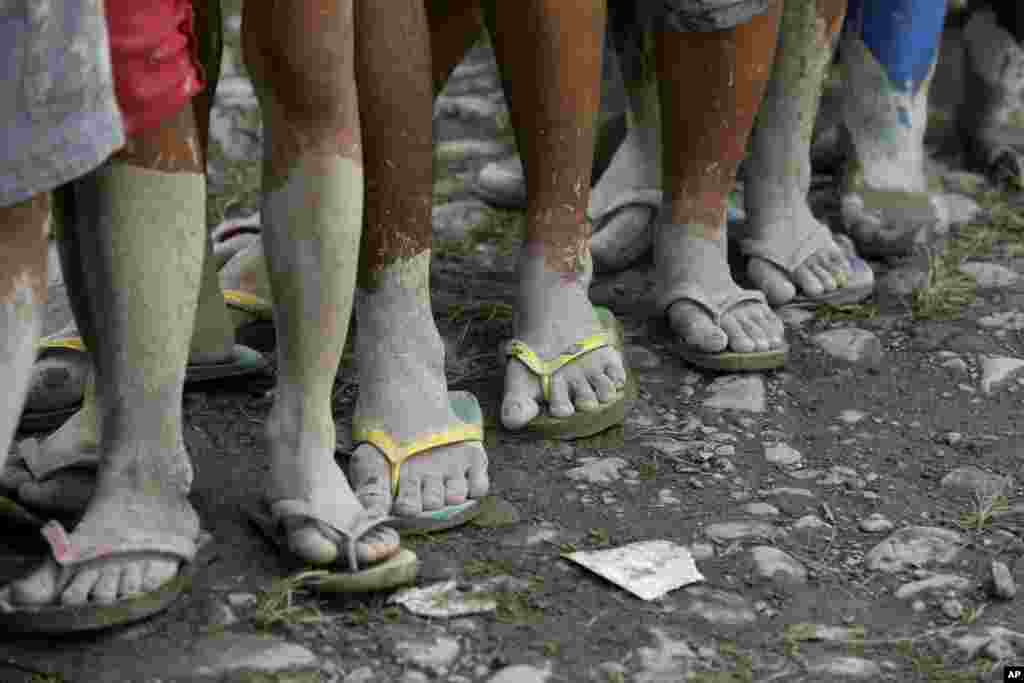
[
  {"x": 707, "y": 113},
  {"x": 790, "y": 250},
  {"x": 889, "y": 52}
]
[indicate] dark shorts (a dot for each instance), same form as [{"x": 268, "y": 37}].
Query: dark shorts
[{"x": 698, "y": 15}]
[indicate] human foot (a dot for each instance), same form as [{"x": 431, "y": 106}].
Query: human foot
[
  {"x": 554, "y": 318},
  {"x": 702, "y": 303},
  {"x": 403, "y": 394},
  {"x": 131, "y": 540}
]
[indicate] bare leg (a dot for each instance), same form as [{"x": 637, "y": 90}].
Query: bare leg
[
  {"x": 707, "y": 112},
  {"x": 791, "y": 251},
  {"x": 139, "y": 235},
  {"x": 300, "y": 57}
]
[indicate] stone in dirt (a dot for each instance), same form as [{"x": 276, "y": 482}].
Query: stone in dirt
[
  {"x": 997, "y": 371},
  {"x": 875, "y": 524},
  {"x": 988, "y": 275},
  {"x": 851, "y": 344},
  {"x": 915, "y": 546},
  {"x": 723, "y": 532},
  {"x": 1001, "y": 583},
  {"x": 598, "y": 470},
  {"x": 782, "y": 454},
  {"x": 521, "y": 673},
  {"x": 846, "y": 667},
  {"x": 669, "y": 659},
  {"x": 435, "y": 654},
  {"x": 771, "y": 562},
  {"x": 454, "y": 221},
  {"x": 944, "y": 582},
  {"x": 225, "y": 653},
  {"x": 974, "y": 481},
  {"x": 496, "y": 512},
  {"x": 719, "y": 607},
  {"x": 737, "y": 392}
]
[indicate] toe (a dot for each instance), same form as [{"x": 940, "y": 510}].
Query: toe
[
  {"x": 157, "y": 573},
  {"x": 409, "y": 501},
  {"x": 456, "y": 489},
  {"x": 479, "y": 482},
  {"x": 371, "y": 479},
  {"x": 376, "y": 545},
  {"x": 131, "y": 580},
  {"x": 520, "y": 404},
  {"x": 694, "y": 325},
  {"x": 81, "y": 586},
  {"x": 583, "y": 396},
  {"x": 615, "y": 370},
  {"x": 39, "y": 588},
  {"x": 771, "y": 280},
  {"x": 736, "y": 332},
  {"x": 105, "y": 590},
  {"x": 604, "y": 387},
  {"x": 828, "y": 283},
  {"x": 752, "y": 321},
  {"x": 808, "y": 281},
  {"x": 559, "y": 404},
  {"x": 432, "y": 492},
  {"x": 306, "y": 541}
]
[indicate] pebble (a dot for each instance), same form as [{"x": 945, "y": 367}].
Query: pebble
[
  {"x": 811, "y": 522},
  {"x": 845, "y": 667},
  {"x": 974, "y": 481},
  {"x": 915, "y": 546},
  {"x": 988, "y": 275},
  {"x": 876, "y": 524},
  {"x": 435, "y": 655},
  {"x": 954, "y": 609},
  {"x": 521, "y": 673},
  {"x": 220, "y": 654},
  {"x": 937, "y": 582},
  {"x": 454, "y": 221},
  {"x": 702, "y": 551},
  {"x": 723, "y": 532},
  {"x": 1001, "y": 583},
  {"x": 737, "y": 392},
  {"x": 997, "y": 371},
  {"x": 719, "y": 607},
  {"x": 761, "y": 509},
  {"x": 363, "y": 674},
  {"x": 783, "y": 455},
  {"x": 467, "y": 107},
  {"x": 956, "y": 364},
  {"x": 851, "y": 344},
  {"x": 851, "y": 416},
  {"x": 598, "y": 470},
  {"x": 770, "y": 562}
]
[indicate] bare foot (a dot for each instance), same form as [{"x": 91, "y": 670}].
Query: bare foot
[
  {"x": 554, "y": 315},
  {"x": 404, "y": 394},
  {"x": 704, "y": 306}
]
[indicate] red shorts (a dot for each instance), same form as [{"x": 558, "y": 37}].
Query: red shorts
[{"x": 153, "y": 55}]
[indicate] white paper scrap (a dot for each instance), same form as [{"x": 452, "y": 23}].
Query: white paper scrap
[
  {"x": 647, "y": 569},
  {"x": 444, "y": 600}
]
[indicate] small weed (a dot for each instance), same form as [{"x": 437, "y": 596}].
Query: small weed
[
  {"x": 985, "y": 508},
  {"x": 933, "y": 669},
  {"x": 391, "y": 614},
  {"x": 276, "y": 605},
  {"x": 598, "y": 536},
  {"x": 836, "y": 313},
  {"x": 551, "y": 648},
  {"x": 796, "y": 634},
  {"x": 946, "y": 291},
  {"x": 479, "y": 311},
  {"x": 567, "y": 548},
  {"x": 515, "y": 607},
  {"x": 41, "y": 677},
  {"x": 647, "y": 470},
  {"x": 478, "y": 569},
  {"x": 615, "y": 677}
]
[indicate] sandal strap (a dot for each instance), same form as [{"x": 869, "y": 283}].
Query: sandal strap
[
  {"x": 250, "y": 303},
  {"x": 343, "y": 538},
  {"x": 715, "y": 308},
  {"x": 545, "y": 369}
]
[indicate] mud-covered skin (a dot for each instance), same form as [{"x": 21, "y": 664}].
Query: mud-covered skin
[
  {"x": 301, "y": 57},
  {"x": 704, "y": 140},
  {"x": 779, "y": 170}
]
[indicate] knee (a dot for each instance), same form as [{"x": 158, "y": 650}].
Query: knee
[{"x": 300, "y": 55}]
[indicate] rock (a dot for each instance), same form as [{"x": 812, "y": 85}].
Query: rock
[
  {"x": 435, "y": 655},
  {"x": 914, "y": 546},
  {"x": 598, "y": 471},
  {"x": 954, "y": 609},
  {"x": 723, "y": 532},
  {"x": 414, "y": 677},
  {"x": 782, "y": 454},
  {"x": 702, "y": 551},
  {"x": 989, "y": 274},
  {"x": 668, "y": 447},
  {"x": 956, "y": 365},
  {"x": 845, "y": 667},
  {"x": 468, "y": 148},
  {"x": 770, "y": 562},
  {"x": 668, "y": 660},
  {"x": 950, "y": 582},
  {"x": 851, "y": 344},
  {"x": 761, "y": 509},
  {"x": 897, "y": 287},
  {"x": 532, "y": 535},
  {"x": 997, "y": 371},
  {"x": 521, "y": 673},
  {"x": 467, "y": 107},
  {"x": 363, "y": 674},
  {"x": 454, "y": 221},
  {"x": 961, "y": 209},
  {"x": 737, "y": 392},
  {"x": 1001, "y": 583},
  {"x": 220, "y": 654},
  {"x": 810, "y": 522},
  {"x": 875, "y": 524},
  {"x": 974, "y": 481},
  {"x": 851, "y": 416},
  {"x": 719, "y": 607}
]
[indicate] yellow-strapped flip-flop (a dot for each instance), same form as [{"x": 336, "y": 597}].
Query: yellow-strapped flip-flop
[
  {"x": 580, "y": 424},
  {"x": 470, "y": 428},
  {"x": 248, "y": 303}
]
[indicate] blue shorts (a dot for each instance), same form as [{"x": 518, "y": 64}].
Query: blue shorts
[{"x": 60, "y": 113}]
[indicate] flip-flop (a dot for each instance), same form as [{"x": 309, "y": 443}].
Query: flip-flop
[
  {"x": 59, "y": 619},
  {"x": 580, "y": 424},
  {"x": 859, "y": 285},
  {"x": 245, "y": 361},
  {"x": 38, "y": 464},
  {"x": 398, "y": 570},
  {"x": 470, "y": 428},
  {"x": 724, "y": 361}
]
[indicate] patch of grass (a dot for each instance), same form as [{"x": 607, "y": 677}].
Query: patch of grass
[
  {"x": 479, "y": 569},
  {"x": 516, "y": 607},
  {"x": 946, "y": 290},
  {"x": 598, "y": 536},
  {"x": 843, "y": 312},
  {"x": 551, "y": 648},
  {"x": 479, "y": 312},
  {"x": 40, "y": 677},
  {"x": 742, "y": 673},
  {"x": 647, "y": 470},
  {"x": 500, "y": 227},
  {"x": 277, "y": 606}
]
